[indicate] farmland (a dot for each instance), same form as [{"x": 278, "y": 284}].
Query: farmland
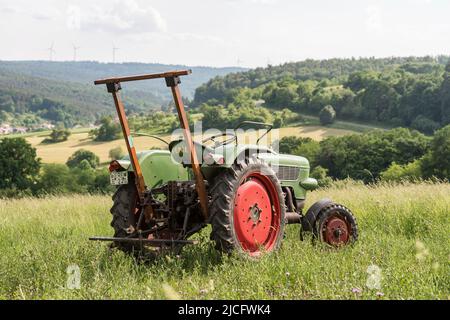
[{"x": 403, "y": 231}]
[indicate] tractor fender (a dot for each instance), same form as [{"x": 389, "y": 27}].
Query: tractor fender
[{"x": 310, "y": 217}]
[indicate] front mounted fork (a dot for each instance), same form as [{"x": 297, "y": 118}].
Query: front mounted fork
[{"x": 172, "y": 80}]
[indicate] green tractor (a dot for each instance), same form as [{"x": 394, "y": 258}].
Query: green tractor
[{"x": 246, "y": 192}]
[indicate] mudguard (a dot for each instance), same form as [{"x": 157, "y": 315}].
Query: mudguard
[{"x": 310, "y": 217}]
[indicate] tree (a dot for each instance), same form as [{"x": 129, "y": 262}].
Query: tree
[
  {"x": 436, "y": 163},
  {"x": 58, "y": 178},
  {"x": 116, "y": 153},
  {"x": 445, "y": 96},
  {"x": 280, "y": 96},
  {"x": 55, "y": 178},
  {"x": 19, "y": 165},
  {"x": 57, "y": 135},
  {"x": 425, "y": 125},
  {"x": 305, "y": 92},
  {"x": 101, "y": 183},
  {"x": 289, "y": 144},
  {"x": 278, "y": 122},
  {"x": 76, "y": 159},
  {"x": 321, "y": 175},
  {"x": 305, "y": 147},
  {"x": 408, "y": 172},
  {"x": 365, "y": 156},
  {"x": 108, "y": 131},
  {"x": 327, "y": 115}
]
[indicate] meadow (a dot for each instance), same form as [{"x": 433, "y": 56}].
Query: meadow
[{"x": 404, "y": 231}]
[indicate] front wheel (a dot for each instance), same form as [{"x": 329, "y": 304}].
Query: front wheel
[
  {"x": 247, "y": 209},
  {"x": 336, "y": 226}
]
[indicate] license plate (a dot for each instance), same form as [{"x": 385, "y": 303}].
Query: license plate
[{"x": 119, "y": 177}]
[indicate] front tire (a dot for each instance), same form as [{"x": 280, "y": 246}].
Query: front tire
[
  {"x": 247, "y": 209},
  {"x": 336, "y": 226}
]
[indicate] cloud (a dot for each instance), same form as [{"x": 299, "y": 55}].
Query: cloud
[
  {"x": 10, "y": 10},
  {"x": 264, "y": 1},
  {"x": 257, "y": 2},
  {"x": 374, "y": 21},
  {"x": 200, "y": 38},
  {"x": 46, "y": 14},
  {"x": 125, "y": 17}
]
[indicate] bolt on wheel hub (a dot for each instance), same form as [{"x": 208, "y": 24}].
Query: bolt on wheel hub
[{"x": 255, "y": 213}]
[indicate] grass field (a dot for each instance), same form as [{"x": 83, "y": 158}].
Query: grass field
[
  {"x": 404, "y": 230},
  {"x": 60, "y": 152}
]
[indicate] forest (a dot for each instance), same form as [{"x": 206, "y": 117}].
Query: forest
[
  {"x": 27, "y": 100},
  {"x": 32, "y": 92},
  {"x": 394, "y": 92}
]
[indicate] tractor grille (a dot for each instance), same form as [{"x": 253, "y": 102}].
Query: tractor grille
[{"x": 287, "y": 173}]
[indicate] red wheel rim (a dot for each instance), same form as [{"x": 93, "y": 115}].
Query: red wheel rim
[
  {"x": 257, "y": 214},
  {"x": 336, "y": 231}
]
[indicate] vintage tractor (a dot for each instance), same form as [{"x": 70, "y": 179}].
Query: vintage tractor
[{"x": 247, "y": 193}]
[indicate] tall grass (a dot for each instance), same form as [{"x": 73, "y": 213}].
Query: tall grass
[{"x": 404, "y": 230}]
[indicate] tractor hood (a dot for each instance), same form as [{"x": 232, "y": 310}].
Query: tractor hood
[{"x": 157, "y": 167}]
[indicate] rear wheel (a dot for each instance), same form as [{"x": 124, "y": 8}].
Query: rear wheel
[
  {"x": 124, "y": 207},
  {"x": 247, "y": 209}
]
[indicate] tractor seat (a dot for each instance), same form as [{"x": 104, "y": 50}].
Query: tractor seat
[{"x": 179, "y": 153}]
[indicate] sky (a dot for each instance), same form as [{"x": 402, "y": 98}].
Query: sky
[{"x": 247, "y": 33}]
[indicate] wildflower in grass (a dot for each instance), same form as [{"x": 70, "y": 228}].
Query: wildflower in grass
[
  {"x": 203, "y": 291},
  {"x": 380, "y": 294},
  {"x": 357, "y": 290},
  {"x": 287, "y": 274}
]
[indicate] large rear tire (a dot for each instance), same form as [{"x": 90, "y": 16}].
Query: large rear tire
[
  {"x": 247, "y": 209},
  {"x": 124, "y": 205}
]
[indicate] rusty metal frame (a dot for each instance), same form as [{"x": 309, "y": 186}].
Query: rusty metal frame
[{"x": 172, "y": 81}]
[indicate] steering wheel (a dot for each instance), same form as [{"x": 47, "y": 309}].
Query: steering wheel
[{"x": 221, "y": 143}]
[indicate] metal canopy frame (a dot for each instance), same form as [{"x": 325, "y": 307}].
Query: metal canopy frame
[{"x": 172, "y": 80}]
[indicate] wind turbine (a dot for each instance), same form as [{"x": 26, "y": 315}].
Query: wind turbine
[
  {"x": 75, "y": 49},
  {"x": 239, "y": 62},
  {"x": 114, "y": 50},
  {"x": 51, "y": 51}
]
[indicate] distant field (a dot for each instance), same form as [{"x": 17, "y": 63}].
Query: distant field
[
  {"x": 403, "y": 234},
  {"x": 346, "y": 125},
  {"x": 59, "y": 152}
]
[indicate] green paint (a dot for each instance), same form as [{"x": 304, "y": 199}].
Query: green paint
[
  {"x": 231, "y": 152},
  {"x": 158, "y": 167}
]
